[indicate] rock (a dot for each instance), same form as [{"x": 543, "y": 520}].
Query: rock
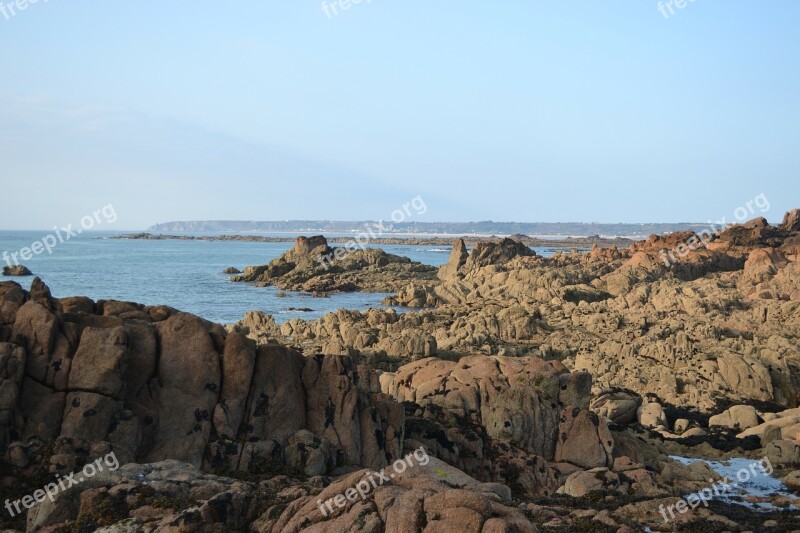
[
  {"x": 778, "y": 425},
  {"x": 433, "y": 494},
  {"x": 582, "y": 483},
  {"x": 737, "y": 417},
  {"x": 791, "y": 221},
  {"x": 238, "y": 362},
  {"x": 165, "y": 494},
  {"x": 99, "y": 363},
  {"x": 458, "y": 256},
  {"x": 618, "y": 405},
  {"x": 16, "y": 270},
  {"x": 496, "y": 253},
  {"x": 651, "y": 415},
  {"x": 783, "y": 452},
  {"x": 584, "y": 439},
  {"x": 313, "y": 266},
  {"x": 693, "y": 432},
  {"x": 309, "y": 453},
  {"x": 185, "y": 421},
  {"x": 231, "y": 270},
  {"x": 681, "y": 425},
  {"x": 12, "y": 370},
  {"x": 792, "y": 480},
  {"x": 494, "y": 376}
]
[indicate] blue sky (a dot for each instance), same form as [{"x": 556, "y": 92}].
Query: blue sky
[{"x": 515, "y": 110}]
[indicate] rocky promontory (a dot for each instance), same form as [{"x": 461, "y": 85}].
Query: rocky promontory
[{"x": 313, "y": 266}]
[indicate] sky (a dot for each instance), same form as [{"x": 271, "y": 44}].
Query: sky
[{"x": 510, "y": 111}]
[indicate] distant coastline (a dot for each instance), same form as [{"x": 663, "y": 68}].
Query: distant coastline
[
  {"x": 418, "y": 240},
  {"x": 430, "y": 229}
]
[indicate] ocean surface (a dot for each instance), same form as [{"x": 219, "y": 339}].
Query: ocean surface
[{"x": 186, "y": 275}]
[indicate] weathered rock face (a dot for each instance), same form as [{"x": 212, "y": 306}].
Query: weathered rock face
[
  {"x": 517, "y": 400},
  {"x": 495, "y": 418},
  {"x": 791, "y": 221},
  {"x": 496, "y": 253},
  {"x": 153, "y": 384},
  {"x": 312, "y": 266},
  {"x": 483, "y": 254},
  {"x": 12, "y": 370},
  {"x": 458, "y": 256}
]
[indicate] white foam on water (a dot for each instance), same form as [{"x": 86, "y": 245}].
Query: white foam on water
[{"x": 743, "y": 482}]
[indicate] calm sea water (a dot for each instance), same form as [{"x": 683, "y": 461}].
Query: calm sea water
[{"x": 186, "y": 275}]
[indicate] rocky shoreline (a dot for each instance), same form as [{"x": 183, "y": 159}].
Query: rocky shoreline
[{"x": 548, "y": 394}]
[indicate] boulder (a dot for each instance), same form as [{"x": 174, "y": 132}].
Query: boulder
[
  {"x": 792, "y": 480},
  {"x": 783, "y": 452},
  {"x": 739, "y": 417},
  {"x": 582, "y": 483},
  {"x": 651, "y": 415},
  {"x": 312, "y": 455},
  {"x": 584, "y": 439},
  {"x": 618, "y": 405},
  {"x": 16, "y": 270}
]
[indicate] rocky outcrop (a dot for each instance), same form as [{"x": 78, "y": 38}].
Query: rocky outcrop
[
  {"x": 482, "y": 254},
  {"x": 163, "y": 496},
  {"x": 791, "y": 221},
  {"x": 517, "y": 400},
  {"x": 458, "y": 256},
  {"x": 717, "y": 326},
  {"x": 153, "y": 384},
  {"x": 185, "y": 405},
  {"x": 16, "y": 270},
  {"x": 737, "y": 417},
  {"x": 313, "y": 266}
]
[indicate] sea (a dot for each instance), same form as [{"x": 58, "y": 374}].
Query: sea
[{"x": 186, "y": 274}]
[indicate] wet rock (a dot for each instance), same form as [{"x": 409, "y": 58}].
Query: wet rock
[{"x": 16, "y": 270}]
